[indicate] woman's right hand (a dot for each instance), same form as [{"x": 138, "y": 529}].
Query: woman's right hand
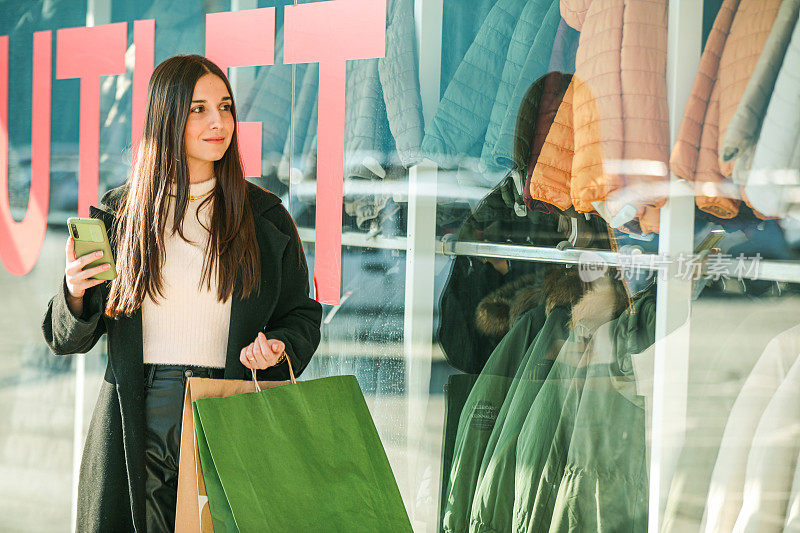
[{"x": 78, "y": 279}]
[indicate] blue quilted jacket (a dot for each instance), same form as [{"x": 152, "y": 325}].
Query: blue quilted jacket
[
  {"x": 463, "y": 113},
  {"x": 478, "y": 111},
  {"x": 527, "y": 61}
]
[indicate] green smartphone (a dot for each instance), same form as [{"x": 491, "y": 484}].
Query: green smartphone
[{"x": 89, "y": 235}]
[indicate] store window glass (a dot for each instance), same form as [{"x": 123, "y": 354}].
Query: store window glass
[
  {"x": 567, "y": 273},
  {"x": 621, "y": 293}
]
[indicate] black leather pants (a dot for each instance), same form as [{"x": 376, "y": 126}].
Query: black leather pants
[{"x": 164, "y": 392}]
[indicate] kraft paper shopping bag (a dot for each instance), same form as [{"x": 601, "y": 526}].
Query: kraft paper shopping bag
[{"x": 192, "y": 513}]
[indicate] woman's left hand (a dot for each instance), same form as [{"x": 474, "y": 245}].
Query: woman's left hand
[{"x": 262, "y": 353}]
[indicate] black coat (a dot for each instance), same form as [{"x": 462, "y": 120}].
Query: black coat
[{"x": 112, "y": 476}]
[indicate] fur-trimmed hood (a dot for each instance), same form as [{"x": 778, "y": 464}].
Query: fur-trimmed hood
[
  {"x": 593, "y": 304},
  {"x": 498, "y": 311}
]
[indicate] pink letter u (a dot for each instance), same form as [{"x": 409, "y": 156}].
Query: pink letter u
[{"x": 21, "y": 242}]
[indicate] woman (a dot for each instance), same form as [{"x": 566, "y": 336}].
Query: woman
[{"x": 212, "y": 282}]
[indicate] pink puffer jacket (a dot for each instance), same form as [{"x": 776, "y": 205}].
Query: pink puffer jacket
[
  {"x": 615, "y": 113},
  {"x": 731, "y": 53}
]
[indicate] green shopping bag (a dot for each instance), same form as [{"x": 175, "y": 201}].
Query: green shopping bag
[{"x": 300, "y": 457}]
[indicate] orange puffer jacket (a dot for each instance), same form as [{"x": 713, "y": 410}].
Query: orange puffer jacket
[
  {"x": 730, "y": 56},
  {"x": 554, "y": 88},
  {"x": 551, "y": 174},
  {"x": 610, "y": 139}
]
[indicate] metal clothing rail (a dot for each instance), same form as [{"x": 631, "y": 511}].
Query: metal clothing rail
[
  {"x": 571, "y": 256},
  {"x": 751, "y": 268}
]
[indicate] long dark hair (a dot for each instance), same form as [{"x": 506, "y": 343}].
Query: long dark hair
[{"x": 160, "y": 162}]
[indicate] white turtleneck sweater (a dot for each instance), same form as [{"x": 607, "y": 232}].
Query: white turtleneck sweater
[{"x": 188, "y": 326}]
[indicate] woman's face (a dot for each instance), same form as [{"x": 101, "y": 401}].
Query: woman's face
[{"x": 209, "y": 127}]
